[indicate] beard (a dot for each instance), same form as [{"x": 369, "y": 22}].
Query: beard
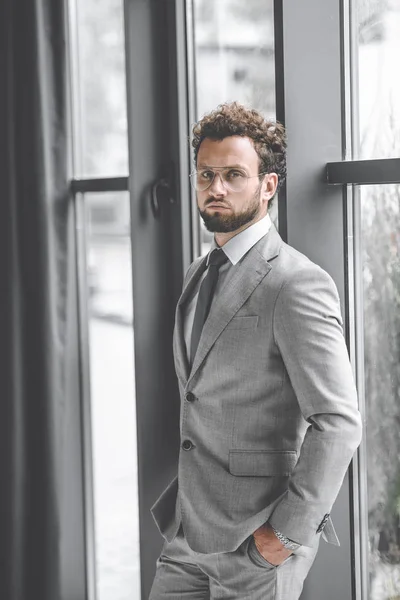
[{"x": 219, "y": 222}]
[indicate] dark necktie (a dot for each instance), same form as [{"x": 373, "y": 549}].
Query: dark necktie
[{"x": 217, "y": 258}]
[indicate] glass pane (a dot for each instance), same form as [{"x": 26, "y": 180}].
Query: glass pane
[
  {"x": 102, "y": 89},
  {"x": 234, "y": 54},
  {"x": 234, "y": 60},
  {"x": 381, "y": 296},
  {"x": 378, "y": 27},
  {"x": 112, "y": 380}
]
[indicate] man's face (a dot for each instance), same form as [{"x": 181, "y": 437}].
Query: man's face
[{"x": 221, "y": 209}]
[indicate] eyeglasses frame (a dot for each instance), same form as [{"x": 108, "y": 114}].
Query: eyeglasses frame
[{"x": 193, "y": 173}]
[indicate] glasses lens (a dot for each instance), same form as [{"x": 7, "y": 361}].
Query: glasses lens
[
  {"x": 203, "y": 179},
  {"x": 234, "y": 179}
]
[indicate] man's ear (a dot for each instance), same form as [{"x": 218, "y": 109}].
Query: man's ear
[{"x": 270, "y": 185}]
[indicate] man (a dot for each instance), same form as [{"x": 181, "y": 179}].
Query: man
[{"x": 269, "y": 418}]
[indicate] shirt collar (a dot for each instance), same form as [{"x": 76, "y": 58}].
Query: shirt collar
[{"x": 241, "y": 243}]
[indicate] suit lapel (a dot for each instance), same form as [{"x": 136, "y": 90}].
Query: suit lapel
[{"x": 247, "y": 275}]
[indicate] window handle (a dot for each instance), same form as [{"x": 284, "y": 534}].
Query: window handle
[{"x": 162, "y": 192}]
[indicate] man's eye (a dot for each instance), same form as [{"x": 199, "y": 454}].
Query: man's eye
[
  {"x": 206, "y": 175},
  {"x": 234, "y": 174}
]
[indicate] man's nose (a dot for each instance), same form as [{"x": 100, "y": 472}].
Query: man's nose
[{"x": 217, "y": 188}]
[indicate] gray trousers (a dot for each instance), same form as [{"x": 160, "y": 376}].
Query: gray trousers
[{"x": 243, "y": 574}]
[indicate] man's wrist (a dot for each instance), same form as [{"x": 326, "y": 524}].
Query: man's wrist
[{"x": 285, "y": 541}]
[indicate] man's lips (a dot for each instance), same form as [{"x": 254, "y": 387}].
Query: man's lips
[{"x": 216, "y": 206}]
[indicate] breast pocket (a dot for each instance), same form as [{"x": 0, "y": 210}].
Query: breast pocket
[{"x": 248, "y": 322}]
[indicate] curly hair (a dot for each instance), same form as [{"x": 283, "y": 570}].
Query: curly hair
[{"x": 232, "y": 118}]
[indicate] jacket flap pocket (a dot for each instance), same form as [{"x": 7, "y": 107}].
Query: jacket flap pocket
[
  {"x": 249, "y": 322},
  {"x": 262, "y": 463}
]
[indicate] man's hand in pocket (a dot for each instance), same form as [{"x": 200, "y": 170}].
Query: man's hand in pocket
[{"x": 269, "y": 546}]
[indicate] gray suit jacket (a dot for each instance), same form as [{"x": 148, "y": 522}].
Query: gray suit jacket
[{"x": 269, "y": 405}]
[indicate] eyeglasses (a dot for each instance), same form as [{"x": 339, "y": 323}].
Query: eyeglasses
[{"x": 232, "y": 178}]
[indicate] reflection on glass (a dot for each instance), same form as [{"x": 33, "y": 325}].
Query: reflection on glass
[
  {"x": 378, "y": 24},
  {"x": 112, "y": 381},
  {"x": 102, "y": 88},
  {"x": 234, "y": 60},
  {"x": 380, "y": 207}
]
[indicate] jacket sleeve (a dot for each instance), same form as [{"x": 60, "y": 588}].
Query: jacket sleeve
[{"x": 308, "y": 332}]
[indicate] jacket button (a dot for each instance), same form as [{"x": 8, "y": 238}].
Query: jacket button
[
  {"x": 323, "y": 523},
  {"x": 190, "y": 397},
  {"x": 187, "y": 445}
]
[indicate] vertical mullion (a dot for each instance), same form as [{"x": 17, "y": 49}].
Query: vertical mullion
[
  {"x": 86, "y": 418},
  {"x": 355, "y": 291},
  {"x": 316, "y": 212},
  {"x": 74, "y": 87},
  {"x": 354, "y": 81},
  {"x": 351, "y": 297},
  {"x": 351, "y": 257},
  {"x": 192, "y": 112},
  {"x": 360, "y": 483},
  {"x": 347, "y": 88},
  {"x": 280, "y": 103},
  {"x": 84, "y": 358},
  {"x": 186, "y": 99}
]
